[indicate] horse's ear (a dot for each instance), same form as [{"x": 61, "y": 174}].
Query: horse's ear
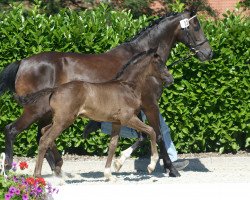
[{"x": 193, "y": 7}]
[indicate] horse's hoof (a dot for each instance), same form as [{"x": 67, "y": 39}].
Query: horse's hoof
[
  {"x": 117, "y": 165},
  {"x": 174, "y": 173},
  {"x": 7, "y": 166}
]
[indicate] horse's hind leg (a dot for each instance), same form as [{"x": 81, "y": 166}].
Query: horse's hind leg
[
  {"x": 137, "y": 124},
  {"x": 52, "y": 155},
  {"x": 112, "y": 147},
  {"x": 12, "y": 130}
]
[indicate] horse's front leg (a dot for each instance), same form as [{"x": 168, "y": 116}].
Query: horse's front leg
[
  {"x": 112, "y": 146},
  {"x": 152, "y": 114}
]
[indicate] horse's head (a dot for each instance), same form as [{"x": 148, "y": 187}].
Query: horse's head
[{"x": 191, "y": 34}]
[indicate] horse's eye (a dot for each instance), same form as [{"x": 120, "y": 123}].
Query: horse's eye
[{"x": 197, "y": 27}]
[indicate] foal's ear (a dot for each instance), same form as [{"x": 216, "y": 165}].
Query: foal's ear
[{"x": 157, "y": 57}]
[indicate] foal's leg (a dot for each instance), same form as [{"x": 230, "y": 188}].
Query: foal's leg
[
  {"x": 127, "y": 152},
  {"x": 52, "y": 155},
  {"x": 153, "y": 119},
  {"x": 112, "y": 146},
  {"x": 49, "y": 134},
  {"x": 137, "y": 124},
  {"x": 12, "y": 130}
]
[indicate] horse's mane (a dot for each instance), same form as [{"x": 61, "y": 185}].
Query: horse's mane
[
  {"x": 133, "y": 60},
  {"x": 151, "y": 25}
]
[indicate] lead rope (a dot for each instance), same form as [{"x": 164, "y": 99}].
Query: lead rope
[
  {"x": 189, "y": 55},
  {"x": 2, "y": 165}
]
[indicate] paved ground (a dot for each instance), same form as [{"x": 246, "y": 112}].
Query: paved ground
[{"x": 207, "y": 176}]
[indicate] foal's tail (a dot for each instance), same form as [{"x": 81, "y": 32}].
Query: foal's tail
[
  {"x": 33, "y": 97},
  {"x": 8, "y": 77}
]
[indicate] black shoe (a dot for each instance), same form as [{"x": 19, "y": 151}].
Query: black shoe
[
  {"x": 180, "y": 164},
  {"x": 92, "y": 126}
]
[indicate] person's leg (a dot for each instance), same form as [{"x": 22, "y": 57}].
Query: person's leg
[
  {"x": 125, "y": 132},
  {"x": 167, "y": 139},
  {"x": 178, "y": 164}
]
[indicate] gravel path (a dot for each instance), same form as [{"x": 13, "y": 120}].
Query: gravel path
[{"x": 215, "y": 175}]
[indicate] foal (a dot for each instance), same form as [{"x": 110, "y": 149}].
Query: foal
[{"x": 117, "y": 101}]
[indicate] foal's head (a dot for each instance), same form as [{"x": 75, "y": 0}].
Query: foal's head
[
  {"x": 143, "y": 65},
  {"x": 158, "y": 69}
]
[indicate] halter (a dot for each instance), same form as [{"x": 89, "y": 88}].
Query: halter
[{"x": 184, "y": 23}]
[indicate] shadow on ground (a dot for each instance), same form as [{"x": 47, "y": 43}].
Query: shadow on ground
[
  {"x": 139, "y": 174},
  {"x": 194, "y": 165}
]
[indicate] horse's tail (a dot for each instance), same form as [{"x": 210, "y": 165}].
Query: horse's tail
[
  {"x": 33, "y": 97},
  {"x": 8, "y": 77}
]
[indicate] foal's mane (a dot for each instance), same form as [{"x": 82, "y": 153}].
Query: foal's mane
[
  {"x": 133, "y": 61},
  {"x": 152, "y": 25}
]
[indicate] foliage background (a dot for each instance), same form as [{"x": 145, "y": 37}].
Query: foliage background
[{"x": 207, "y": 109}]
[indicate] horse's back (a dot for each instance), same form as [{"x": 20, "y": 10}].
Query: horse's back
[{"x": 50, "y": 69}]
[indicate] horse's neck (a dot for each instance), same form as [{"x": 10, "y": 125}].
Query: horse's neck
[{"x": 161, "y": 36}]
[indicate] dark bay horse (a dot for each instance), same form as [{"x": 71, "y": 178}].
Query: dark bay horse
[
  {"x": 50, "y": 69},
  {"x": 118, "y": 101}
]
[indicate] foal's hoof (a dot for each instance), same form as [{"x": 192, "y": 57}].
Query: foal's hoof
[
  {"x": 117, "y": 165},
  {"x": 36, "y": 175},
  {"x": 174, "y": 173},
  {"x": 58, "y": 172},
  {"x": 58, "y": 168},
  {"x": 151, "y": 168},
  {"x": 111, "y": 179}
]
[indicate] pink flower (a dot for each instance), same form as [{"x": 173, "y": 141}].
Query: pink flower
[{"x": 25, "y": 197}]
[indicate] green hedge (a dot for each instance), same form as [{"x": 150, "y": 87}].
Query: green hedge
[{"x": 207, "y": 108}]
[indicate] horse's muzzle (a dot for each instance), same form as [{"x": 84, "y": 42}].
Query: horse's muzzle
[{"x": 204, "y": 55}]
